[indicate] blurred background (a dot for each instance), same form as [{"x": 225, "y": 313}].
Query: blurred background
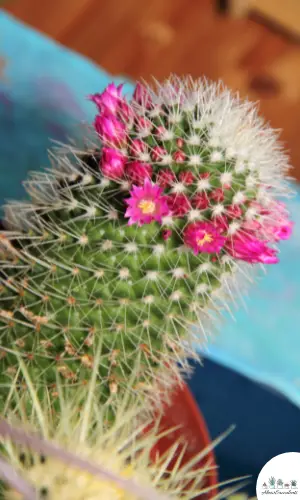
[
  {"x": 251, "y": 44},
  {"x": 251, "y": 373}
]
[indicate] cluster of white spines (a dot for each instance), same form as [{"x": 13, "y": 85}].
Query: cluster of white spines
[
  {"x": 232, "y": 127},
  {"x": 125, "y": 448},
  {"x": 233, "y": 131}
]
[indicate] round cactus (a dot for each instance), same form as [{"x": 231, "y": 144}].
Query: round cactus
[
  {"x": 127, "y": 450},
  {"x": 140, "y": 236}
]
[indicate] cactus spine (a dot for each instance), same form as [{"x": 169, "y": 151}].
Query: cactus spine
[
  {"x": 126, "y": 449},
  {"x": 134, "y": 240}
]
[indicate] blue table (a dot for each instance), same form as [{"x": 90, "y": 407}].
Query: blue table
[{"x": 267, "y": 424}]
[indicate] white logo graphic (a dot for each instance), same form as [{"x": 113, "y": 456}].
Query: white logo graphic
[{"x": 280, "y": 476}]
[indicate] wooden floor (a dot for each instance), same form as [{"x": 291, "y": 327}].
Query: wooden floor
[{"x": 140, "y": 38}]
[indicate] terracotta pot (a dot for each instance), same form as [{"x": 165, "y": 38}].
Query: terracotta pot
[{"x": 184, "y": 412}]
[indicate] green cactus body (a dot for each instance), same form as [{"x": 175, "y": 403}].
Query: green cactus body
[
  {"x": 126, "y": 450},
  {"x": 74, "y": 272}
]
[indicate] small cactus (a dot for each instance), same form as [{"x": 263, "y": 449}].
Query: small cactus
[
  {"x": 126, "y": 449},
  {"x": 140, "y": 236},
  {"x": 272, "y": 481}
]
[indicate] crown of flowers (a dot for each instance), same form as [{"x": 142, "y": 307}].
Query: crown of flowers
[{"x": 197, "y": 162}]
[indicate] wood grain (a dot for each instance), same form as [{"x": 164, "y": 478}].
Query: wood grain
[
  {"x": 156, "y": 37},
  {"x": 285, "y": 15}
]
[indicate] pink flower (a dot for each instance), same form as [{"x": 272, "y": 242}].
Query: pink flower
[
  {"x": 143, "y": 125},
  {"x": 109, "y": 100},
  {"x": 200, "y": 201},
  {"x": 276, "y": 225},
  {"x": 204, "y": 175},
  {"x": 178, "y": 204},
  {"x": 137, "y": 147},
  {"x": 160, "y": 131},
  {"x": 166, "y": 234},
  {"x": 217, "y": 195},
  {"x": 179, "y": 156},
  {"x": 110, "y": 129},
  {"x": 180, "y": 142},
  {"x": 165, "y": 177},
  {"x": 254, "y": 227},
  {"x": 245, "y": 246},
  {"x": 125, "y": 112},
  {"x": 284, "y": 232},
  {"x": 157, "y": 153},
  {"x": 274, "y": 231},
  {"x": 112, "y": 163},
  {"x": 221, "y": 223},
  {"x": 260, "y": 209},
  {"x": 137, "y": 172},
  {"x": 234, "y": 211},
  {"x": 272, "y": 223},
  {"x": 146, "y": 204},
  {"x": 186, "y": 177},
  {"x": 203, "y": 237},
  {"x": 142, "y": 96}
]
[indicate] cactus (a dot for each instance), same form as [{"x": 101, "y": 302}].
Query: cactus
[
  {"x": 140, "y": 235},
  {"x": 127, "y": 449},
  {"x": 272, "y": 481}
]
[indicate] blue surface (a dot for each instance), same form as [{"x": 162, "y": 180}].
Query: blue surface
[
  {"x": 43, "y": 90},
  {"x": 266, "y": 424},
  {"x": 42, "y": 95},
  {"x": 264, "y": 341}
]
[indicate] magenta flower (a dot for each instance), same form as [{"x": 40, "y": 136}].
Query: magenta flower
[
  {"x": 203, "y": 237},
  {"x": 200, "y": 201},
  {"x": 276, "y": 226},
  {"x": 221, "y": 223},
  {"x": 254, "y": 227},
  {"x": 166, "y": 234},
  {"x": 217, "y": 195},
  {"x": 125, "y": 112},
  {"x": 245, "y": 246},
  {"x": 160, "y": 131},
  {"x": 146, "y": 204},
  {"x": 110, "y": 129},
  {"x": 179, "y": 156},
  {"x": 260, "y": 209},
  {"x": 204, "y": 175},
  {"x": 180, "y": 142},
  {"x": 165, "y": 177},
  {"x": 109, "y": 100},
  {"x": 178, "y": 204},
  {"x": 272, "y": 223},
  {"x": 284, "y": 232},
  {"x": 276, "y": 230},
  {"x": 157, "y": 153},
  {"x": 234, "y": 211},
  {"x": 137, "y": 147},
  {"x": 142, "y": 96},
  {"x": 143, "y": 126},
  {"x": 137, "y": 172},
  {"x": 112, "y": 163},
  {"x": 186, "y": 177}
]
